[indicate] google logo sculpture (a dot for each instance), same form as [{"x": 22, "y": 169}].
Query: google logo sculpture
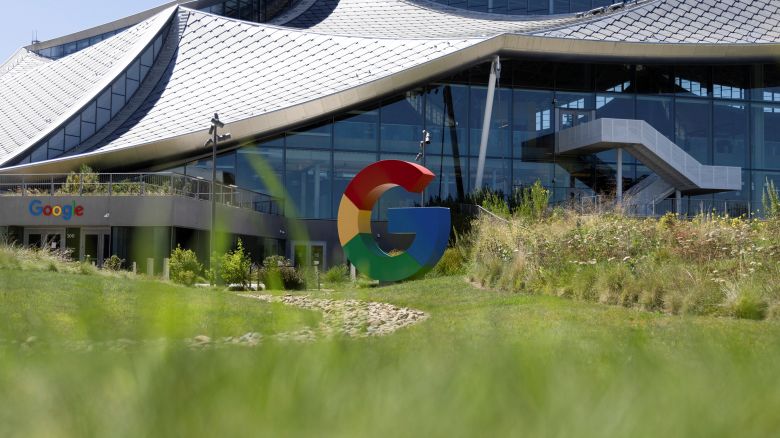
[{"x": 431, "y": 225}]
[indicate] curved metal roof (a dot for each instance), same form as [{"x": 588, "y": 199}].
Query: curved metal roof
[{"x": 264, "y": 78}]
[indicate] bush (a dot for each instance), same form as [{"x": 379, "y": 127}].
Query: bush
[
  {"x": 184, "y": 266},
  {"x": 277, "y": 273},
  {"x": 337, "y": 274},
  {"x": 234, "y": 267},
  {"x": 113, "y": 263},
  {"x": 453, "y": 262}
]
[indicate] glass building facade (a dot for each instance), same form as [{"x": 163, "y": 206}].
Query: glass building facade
[
  {"x": 258, "y": 11},
  {"x": 528, "y": 7},
  {"x": 721, "y": 115}
]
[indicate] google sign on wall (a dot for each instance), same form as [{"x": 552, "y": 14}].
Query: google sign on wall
[{"x": 66, "y": 211}]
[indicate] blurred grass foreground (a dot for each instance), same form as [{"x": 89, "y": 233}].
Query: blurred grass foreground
[{"x": 485, "y": 363}]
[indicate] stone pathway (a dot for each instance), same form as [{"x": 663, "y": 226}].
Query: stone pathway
[{"x": 351, "y": 318}]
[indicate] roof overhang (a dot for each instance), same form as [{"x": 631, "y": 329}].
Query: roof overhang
[{"x": 174, "y": 148}]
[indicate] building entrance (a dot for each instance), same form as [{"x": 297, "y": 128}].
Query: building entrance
[
  {"x": 50, "y": 238},
  {"x": 306, "y": 253},
  {"x": 95, "y": 245}
]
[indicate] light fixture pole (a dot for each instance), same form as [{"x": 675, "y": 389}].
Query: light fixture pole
[
  {"x": 215, "y": 138},
  {"x": 426, "y": 140}
]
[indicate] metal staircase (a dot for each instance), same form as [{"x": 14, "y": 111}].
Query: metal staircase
[{"x": 675, "y": 170}]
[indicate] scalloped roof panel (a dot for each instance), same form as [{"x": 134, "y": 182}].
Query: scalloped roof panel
[
  {"x": 685, "y": 21},
  {"x": 35, "y": 102},
  {"x": 243, "y": 70}
]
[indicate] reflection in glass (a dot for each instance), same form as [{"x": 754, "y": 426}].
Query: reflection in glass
[
  {"x": 692, "y": 129},
  {"x": 766, "y": 136},
  {"x": 249, "y": 158},
  {"x": 308, "y": 182},
  {"x": 402, "y": 120},
  {"x": 730, "y": 134},
  {"x": 358, "y": 130},
  {"x": 657, "y": 111},
  {"x": 499, "y": 140}
]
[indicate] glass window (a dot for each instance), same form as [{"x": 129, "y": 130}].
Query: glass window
[
  {"x": 730, "y": 134},
  {"x": 533, "y": 125},
  {"x": 346, "y": 165},
  {"x": 450, "y": 181},
  {"x": 730, "y": 81},
  {"x": 654, "y": 79},
  {"x": 767, "y": 83},
  {"x": 316, "y": 136},
  {"x": 499, "y": 140},
  {"x": 497, "y": 174},
  {"x": 658, "y": 112},
  {"x": 132, "y": 85},
  {"x": 692, "y": 81},
  {"x": 766, "y": 136},
  {"x": 692, "y": 128},
  {"x": 447, "y": 110},
  {"x": 561, "y": 6},
  {"x": 540, "y": 7},
  {"x": 575, "y": 77},
  {"x": 358, "y": 130},
  {"x": 88, "y": 115},
  {"x": 533, "y": 74},
  {"x": 526, "y": 174},
  {"x": 57, "y": 141},
  {"x": 40, "y": 153},
  {"x": 260, "y": 168},
  {"x": 134, "y": 72},
  {"x": 308, "y": 182},
  {"x": 760, "y": 184},
  {"x": 614, "y": 106},
  {"x": 614, "y": 78},
  {"x": 518, "y": 7},
  {"x": 72, "y": 133},
  {"x": 401, "y": 128}
]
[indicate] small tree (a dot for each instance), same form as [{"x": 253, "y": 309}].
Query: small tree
[
  {"x": 532, "y": 202},
  {"x": 184, "y": 266},
  {"x": 234, "y": 268},
  {"x": 277, "y": 273},
  {"x": 771, "y": 200}
]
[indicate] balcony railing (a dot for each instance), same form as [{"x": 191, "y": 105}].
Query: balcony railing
[{"x": 137, "y": 184}]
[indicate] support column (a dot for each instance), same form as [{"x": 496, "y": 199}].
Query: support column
[
  {"x": 619, "y": 182},
  {"x": 678, "y": 202},
  {"x": 495, "y": 72}
]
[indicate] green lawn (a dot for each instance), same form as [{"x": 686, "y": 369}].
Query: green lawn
[
  {"x": 484, "y": 364},
  {"x": 72, "y": 307}
]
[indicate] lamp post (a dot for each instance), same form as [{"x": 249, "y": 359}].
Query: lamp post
[
  {"x": 212, "y": 141},
  {"x": 426, "y": 140}
]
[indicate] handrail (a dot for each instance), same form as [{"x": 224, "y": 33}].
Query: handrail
[{"x": 137, "y": 184}]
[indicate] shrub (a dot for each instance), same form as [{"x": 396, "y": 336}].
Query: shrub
[
  {"x": 277, "y": 273},
  {"x": 337, "y": 274},
  {"x": 771, "y": 200},
  {"x": 532, "y": 202},
  {"x": 113, "y": 263},
  {"x": 234, "y": 267},
  {"x": 453, "y": 262},
  {"x": 184, "y": 266},
  {"x": 495, "y": 203}
]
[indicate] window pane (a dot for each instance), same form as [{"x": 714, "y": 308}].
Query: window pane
[
  {"x": 347, "y": 165},
  {"x": 533, "y": 74},
  {"x": 251, "y": 160},
  {"x": 766, "y": 136},
  {"x": 730, "y": 82},
  {"x": 692, "y": 81},
  {"x": 657, "y": 111},
  {"x": 654, "y": 79},
  {"x": 730, "y": 134},
  {"x": 401, "y": 128},
  {"x": 499, "y": 140},
  {"x": 57, "y": 141},
  {"x": 318, "y": 136},
  {"x": 358, "y": 130},
  {"x": 533, "y": 125},
  {"x": 497, "y": 175},
  {"x": 692, "y": 128},
  {"x": 447, "y": 109},
  {"x": 768, "y": 83},
  {"x": 614, "y": 106},
  {"x": 450, "y": 182},
  {"x": 615, "y": 78},
  {"x": 87, "y": 130},
  {"x": 575, "y": 77},
  {"x": 308, "y": 182}
]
